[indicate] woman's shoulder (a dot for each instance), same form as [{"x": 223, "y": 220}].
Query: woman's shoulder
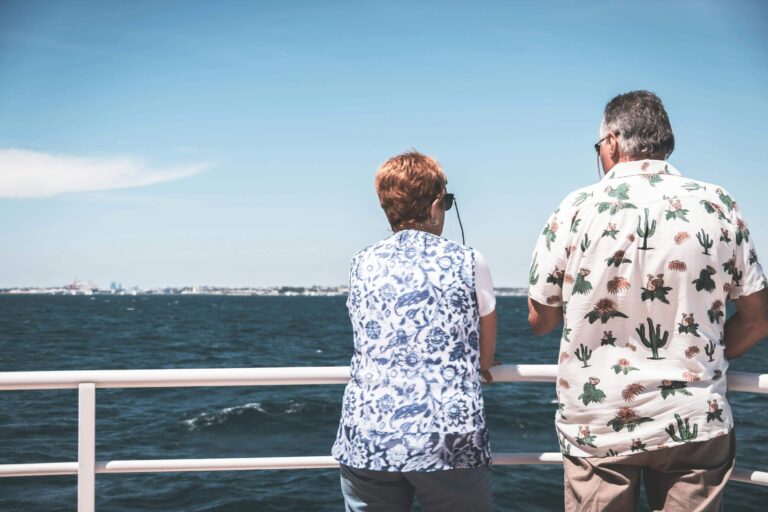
[{"x": 373, "y": 248}]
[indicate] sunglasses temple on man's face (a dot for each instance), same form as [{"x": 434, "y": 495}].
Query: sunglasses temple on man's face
[{"x": 456, "y": 205}]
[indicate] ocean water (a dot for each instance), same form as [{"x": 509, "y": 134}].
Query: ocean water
[{"x": 101, "y": 332}]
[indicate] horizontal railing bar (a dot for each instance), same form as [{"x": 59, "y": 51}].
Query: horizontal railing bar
[
  {"x": 750, "y": 382},
  {"x": 750, "y": 477},
  {"x": 286, "y": 376},
  {"x": 191, "y": 377},
  {"x": 39, "y": 469},
  {"x": 279, "y": 463}
]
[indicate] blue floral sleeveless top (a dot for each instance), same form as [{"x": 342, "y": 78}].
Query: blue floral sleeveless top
[{"x": 414, "y": 402}]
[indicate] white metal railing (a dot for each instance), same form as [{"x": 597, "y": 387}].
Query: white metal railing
[{"x": 88, "y": 381}]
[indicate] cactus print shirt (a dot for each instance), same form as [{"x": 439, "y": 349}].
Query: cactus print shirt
[
  {"x": 642, "y": 264},
  {"x": 414, "y": 402}
]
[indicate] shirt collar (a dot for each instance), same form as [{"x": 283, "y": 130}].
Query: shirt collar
[{"x": 641, "y": 167}]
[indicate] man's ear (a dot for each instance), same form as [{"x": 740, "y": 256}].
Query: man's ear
[{"x": 613, "y": 147}]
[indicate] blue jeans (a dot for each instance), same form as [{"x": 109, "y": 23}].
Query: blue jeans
[{"x": 453, "y": 490}]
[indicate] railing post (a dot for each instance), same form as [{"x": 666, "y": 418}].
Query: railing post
[{"x": 86, "y": 448}]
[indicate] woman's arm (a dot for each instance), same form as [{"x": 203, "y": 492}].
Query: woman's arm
[
  {"x": 486, "y": 305},
  {"x": 487, "y": 344}
]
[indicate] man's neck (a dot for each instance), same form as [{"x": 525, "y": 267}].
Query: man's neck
[{"x": 627, "y": 158}]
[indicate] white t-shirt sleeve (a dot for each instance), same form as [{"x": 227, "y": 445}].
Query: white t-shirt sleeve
[{"x": 486, "y": 300}]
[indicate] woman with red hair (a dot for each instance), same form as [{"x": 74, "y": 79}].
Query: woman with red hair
[{"x": 424, "y": 320}]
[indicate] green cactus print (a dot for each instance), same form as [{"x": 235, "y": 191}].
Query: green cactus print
[
  {"x": 585, "y": 438},
  {"x": 737, "y": 275},
  {"x": 672, "y": 387},
  {"x": 688, "y": 325},
  {"x": 686, "y": 434},
  {"x": 709, "y": 349},
  {"x": 557, "y": 277},
  {"x": 550, "y": 233},
  {"x": 614, "y": 208},
  {"x": 621, "y": 192},
  {"x": 575, "y": 225},
  {"x": 679, "y": 234},
  {"x": 675, "y": 210},
  {"x": 581, "y": 285},
  {"x": 611, "y": 231},
  {"x": 608, "y": 339},
  {"x": 653, "y": 179},
  {"x": 583, "y": 196},
  {"x": 624, "y": 366},
  {"x": 692, "y": 186},
  {"x": 617, "y": 259},
  {"x": 715, "y": 313},
  {"x": 585, "y": 243},
  {"x": 566, "y": 332},
  {"x": 711, "y": 207},
  {"x": 705, "y": 241},
  {"x": 655, "y": 289},
  {"x": 714, "y": 413},
  {"x": 533, "y": 273},
  {"x": 627, "y": 417},
  {"x": 726, "y": 199},
  {"x": 742, "y": 232},
  {"x": 704, "y": 281},
  {"x": 655, "y": 339},
  {"x": 561, "y": 410},
  {"x": 591, "y": 394},
  {"x": 583, "y": 354},
  {"x": 645, "y": 232}
]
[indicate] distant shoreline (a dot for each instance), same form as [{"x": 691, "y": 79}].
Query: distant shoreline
[{"x": 280, "y": 291}]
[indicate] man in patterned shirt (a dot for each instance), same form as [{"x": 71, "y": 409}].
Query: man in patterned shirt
[{"x": 639, "y": 267}]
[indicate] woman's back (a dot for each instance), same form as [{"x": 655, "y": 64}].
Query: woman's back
[{"x": 414, "y": 401}]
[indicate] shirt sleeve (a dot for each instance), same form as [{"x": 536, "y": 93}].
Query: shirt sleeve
[
  {"x": 549, "y": 258},
  {"x": 486, "y": 298},
  {"x": 747, "y": 273}
]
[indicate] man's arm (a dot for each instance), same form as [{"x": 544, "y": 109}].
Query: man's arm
[
  {"x": 748, "y": 325},
  {"x": 543, "y": 319}
]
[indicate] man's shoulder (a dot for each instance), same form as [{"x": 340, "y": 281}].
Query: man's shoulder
[
  {"x": 578, "y": 198},
  {"x": 701, "y": 188}
]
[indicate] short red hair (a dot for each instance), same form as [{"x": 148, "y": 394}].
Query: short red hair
[{"x": 407, "y": 184}]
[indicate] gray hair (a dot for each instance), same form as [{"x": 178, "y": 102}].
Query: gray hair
[{"x": 641, "y": 123}]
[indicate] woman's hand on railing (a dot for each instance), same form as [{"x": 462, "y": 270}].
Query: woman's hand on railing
[{"x": 485, "y": 374}]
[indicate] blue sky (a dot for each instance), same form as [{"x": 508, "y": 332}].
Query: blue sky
[{"x": 235, "y": 143}]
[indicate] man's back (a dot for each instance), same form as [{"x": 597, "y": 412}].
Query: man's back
[{"x": 642, "y": 264}]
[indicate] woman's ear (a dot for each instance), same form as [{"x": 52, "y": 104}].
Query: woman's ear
[{"x": 436, "y": 212}]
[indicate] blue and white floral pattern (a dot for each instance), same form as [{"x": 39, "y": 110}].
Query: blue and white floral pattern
[{"x": 414, "y": 402}]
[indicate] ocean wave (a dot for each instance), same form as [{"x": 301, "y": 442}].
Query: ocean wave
[{"x": 247, "y": 411}]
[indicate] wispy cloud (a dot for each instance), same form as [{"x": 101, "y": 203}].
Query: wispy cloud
[{"x": 34, "y": 174}]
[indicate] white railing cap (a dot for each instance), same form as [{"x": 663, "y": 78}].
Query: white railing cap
[{"x": 281, "y": 376}]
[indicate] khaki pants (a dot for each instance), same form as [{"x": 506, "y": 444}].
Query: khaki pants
[{"x": 690, "y": 477}]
